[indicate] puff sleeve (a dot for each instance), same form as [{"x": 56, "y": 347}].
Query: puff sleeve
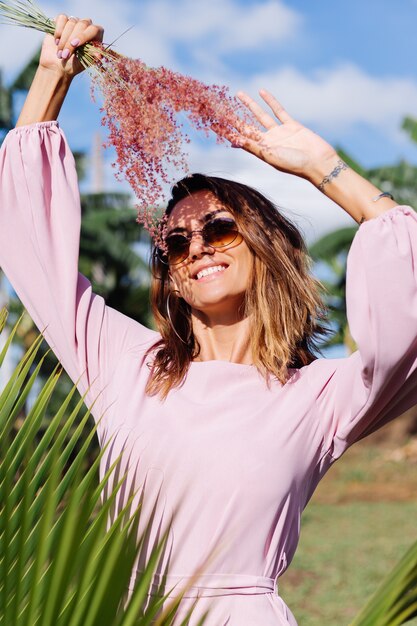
[
  {"x": 357, "y": 395},
  {"x": 40, "y": 218}
]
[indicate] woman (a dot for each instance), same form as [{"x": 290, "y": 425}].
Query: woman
[{"x": 225, "y": 415}]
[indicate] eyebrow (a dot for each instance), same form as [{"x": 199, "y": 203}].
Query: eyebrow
[{"x": 206, "y": 218}]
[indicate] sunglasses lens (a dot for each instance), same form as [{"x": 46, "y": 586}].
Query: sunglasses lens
[
  {"x": 177, "y": 249},
  {"x": 220, "y": 232}
]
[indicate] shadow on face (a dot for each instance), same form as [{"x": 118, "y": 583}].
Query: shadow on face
[{"x": 211, "y": 278}]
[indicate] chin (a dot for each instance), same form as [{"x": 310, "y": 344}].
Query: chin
[{"x": 227, "y": 304}]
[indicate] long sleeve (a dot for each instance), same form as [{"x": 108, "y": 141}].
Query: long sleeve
[
  {"x": 39, "y": 245},
  {"x": 359, "y": 394}
]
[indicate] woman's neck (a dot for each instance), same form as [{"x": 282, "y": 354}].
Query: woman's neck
[{"x": 223, "y": 339}]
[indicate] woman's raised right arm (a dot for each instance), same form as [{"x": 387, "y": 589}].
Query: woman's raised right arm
[
  {"x": 40, "y": 217},
  {"x": 58, "y": 65}
]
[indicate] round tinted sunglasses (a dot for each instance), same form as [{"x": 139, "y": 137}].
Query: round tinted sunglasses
[{"x": 217, "y": 233}]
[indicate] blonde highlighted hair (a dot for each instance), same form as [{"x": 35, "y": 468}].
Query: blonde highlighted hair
[{"x": 284, "y": 300}]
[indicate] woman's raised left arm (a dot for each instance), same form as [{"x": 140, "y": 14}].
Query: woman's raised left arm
[
  {"x": 290, "y": 147},
  {"x": 354, "y": 396}
]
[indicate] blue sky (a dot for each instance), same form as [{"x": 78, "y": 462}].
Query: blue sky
[{"x": 348, "y": 70}]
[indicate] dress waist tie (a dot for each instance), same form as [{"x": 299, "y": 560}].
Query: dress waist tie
[{"x": 210, "y": 585}]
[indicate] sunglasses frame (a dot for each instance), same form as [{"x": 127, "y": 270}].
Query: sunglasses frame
[{"x": 161, "y": 254}]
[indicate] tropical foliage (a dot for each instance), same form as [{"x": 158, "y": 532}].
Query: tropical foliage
[
  {"x": 61, "y": 563},
  {"x": 109, "y": 253},
  {"x": 395, "y": 602}
]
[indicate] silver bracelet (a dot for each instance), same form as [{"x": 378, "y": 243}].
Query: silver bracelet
[
  {"x": 340, "y": 166},
  {"x": 384, "y": 194}
]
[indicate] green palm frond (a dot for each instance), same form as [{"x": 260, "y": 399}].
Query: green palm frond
[
  {"x": 3, "y": 319},
  {"x": 410, "y": 126},
  {"x": 333, "y": 244},
  {"x": 61, "y": 563},
  {"x": 395, "y": 602},
  {"x": 24, "y": 79}
]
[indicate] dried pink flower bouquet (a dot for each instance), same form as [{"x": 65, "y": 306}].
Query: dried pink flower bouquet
[{"x": 142, "y": 107}]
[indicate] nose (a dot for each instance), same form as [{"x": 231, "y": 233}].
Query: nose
[{"x": 198, "y": 246}]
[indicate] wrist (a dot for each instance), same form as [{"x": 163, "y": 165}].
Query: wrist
[
  {"x": 54, "y": 76},
  {"x": 46, "y": 96},
  {"x": 353, "y": 193},
  {"x": 322, "y": 170}
]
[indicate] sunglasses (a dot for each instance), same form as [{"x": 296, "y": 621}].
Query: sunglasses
[{"x": 217, "y": 233}]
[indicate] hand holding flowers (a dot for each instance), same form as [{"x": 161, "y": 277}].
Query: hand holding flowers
[
  {"x": 142, "y": 106},
  {"x": 70, "y": 34}
]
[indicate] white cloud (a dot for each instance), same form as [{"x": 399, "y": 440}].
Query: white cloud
[
  {"x": 159, "y": 27},
  {"x": 337, "y": 98},
  {"x": 18, "y": 45},
  {"x": 143, "y": 39},
  {"x": 332, "y": 99},
  {"x": 261, "y": 25},
  {"x": 206, "y": 31},
  {"x": 226, "y": 23},
  {"x": 211, "y": 30}
]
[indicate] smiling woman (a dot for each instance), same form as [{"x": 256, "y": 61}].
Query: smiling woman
[
  {"x": 262, "y": 306},
  {"x": 225, "y": 418}
]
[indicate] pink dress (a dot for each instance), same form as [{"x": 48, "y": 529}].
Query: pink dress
[{"x": 239, "y": 459}]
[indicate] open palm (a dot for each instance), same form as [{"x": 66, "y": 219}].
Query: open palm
[{"x": 285, "y": 144}]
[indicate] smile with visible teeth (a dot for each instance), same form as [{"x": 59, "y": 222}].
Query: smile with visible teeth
[{"x": 210, "y": 270}]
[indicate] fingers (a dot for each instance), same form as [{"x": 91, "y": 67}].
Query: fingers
[
  {"x": 71, "y": 32},
  {"x": 247, "y": 130},
  {"x": 275, "y": 106},
  {"x": 263, "y": 118},
  {"x": 60, "y": 22},
  {"x": 238, "y": 128},
  {"x": 250, "y": 145}
]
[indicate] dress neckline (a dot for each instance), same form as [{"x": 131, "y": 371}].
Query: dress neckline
[{"x": 224, "y": 363}]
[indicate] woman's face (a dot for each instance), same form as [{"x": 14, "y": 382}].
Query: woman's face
[{"x": 221, "y": 291}]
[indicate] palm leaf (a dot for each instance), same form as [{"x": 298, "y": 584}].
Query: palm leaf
[
  {"x": 332, "y": 244},
  {"x": 410, "y": 126},
  {"x": 395, "y": 601},
  {"x": 61, "y": 562}
]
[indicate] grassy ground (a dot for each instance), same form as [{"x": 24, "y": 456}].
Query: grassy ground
[{"x": 360, "y": 522}]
